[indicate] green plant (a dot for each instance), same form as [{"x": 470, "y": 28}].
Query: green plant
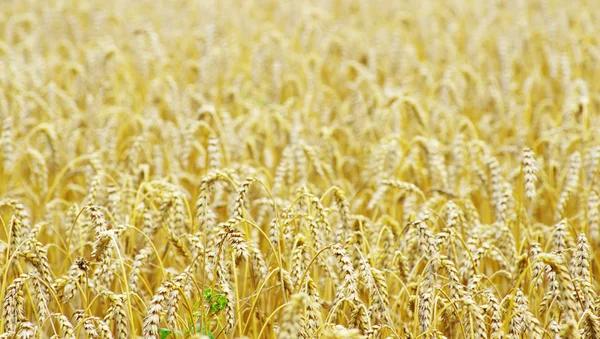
[{"x": 198, "y": 320}]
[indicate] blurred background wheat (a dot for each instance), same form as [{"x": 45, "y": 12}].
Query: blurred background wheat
[{"x": 299, "y": 169}]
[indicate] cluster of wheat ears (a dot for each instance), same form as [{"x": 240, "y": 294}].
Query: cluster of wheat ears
[{"x": 299, "y": 169}]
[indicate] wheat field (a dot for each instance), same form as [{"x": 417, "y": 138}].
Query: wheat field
[{"x": 300, "y": 169}]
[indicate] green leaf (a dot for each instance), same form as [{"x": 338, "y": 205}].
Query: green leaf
[
  {"x": 218, "y": 304},
  {"x": 207, "y": 294},
  {"x": 190, "y": 322},
  {"x": 197, "y": 305},
  {"x": 164, "y": 333},
  {"x": 207, "y": 333},
  {"x": 214, "y": 308}
]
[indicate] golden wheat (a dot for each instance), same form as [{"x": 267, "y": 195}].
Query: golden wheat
[{"x": 299, "y": 169}]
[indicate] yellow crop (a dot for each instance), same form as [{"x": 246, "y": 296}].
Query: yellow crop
[{"x": 300, "y": 169}]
